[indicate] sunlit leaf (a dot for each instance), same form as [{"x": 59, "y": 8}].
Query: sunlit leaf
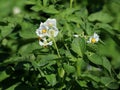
[
  {"x": 51, "y": 79},
  {"x": 78, "y": 46}
]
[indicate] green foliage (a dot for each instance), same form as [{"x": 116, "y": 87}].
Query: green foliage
[
  {"x": 80, "y": 65},
  {"x": 101, "y": 17},
  {"x": 78, "y": 46}
]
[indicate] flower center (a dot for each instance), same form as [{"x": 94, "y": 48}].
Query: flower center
[
  {"x": 52, "y": 32},
  {"x": 93, "y": 40},
  {"x": 44, "y": 31}
]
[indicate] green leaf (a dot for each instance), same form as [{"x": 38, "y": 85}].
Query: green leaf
[
  {"x": 109, "y": 82},
  {"x": 99, "y": 60},
  {"x": 49, "y": 57},
  {"x": 45, "y": 2},
  {"x": 46, "y": 59},
  {"x": 90, "y": 76},
  {"x": 101, "y": 16},
  {"x": 5, "y": 8},
  {"x": 13, "y": 86},
  {"x": 28, "y": 48},
  {"x": 68, "y": 11},
  {"x": 30, "y": 2},
  {"x": 78, "y": 46},
  {"x": 21, "y": 86},
  {"x": 3, "y": 75},
  {"x": 70, "y": 56},
  {"x": 94, "y": 58},
  {"x": 28, "y": 30},
  {"x": 118, "y": 76},
  {"x": 106, "y": 27},
  {"x": 51, "y": 79},
  {"x": 36, "y": 8},
  {"x": 75, "y": 19},
  {"x": 61, "y": 72},
  {"x": 68, "y": 29},
  {"x": 82, "y": 83},
  {"x": 6, "y": 30},
  {"x": 106, "y": 64},
  {"x": 68, "y": 68},
  {"x": 51, "y": 10}
]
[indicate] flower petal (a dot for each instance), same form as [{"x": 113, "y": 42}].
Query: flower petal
[
  {"x": 45, "y": 42},
  {"x": 42, "y": 30},
  {"x": 50, "y": 22},
  {"x": 76, "y": 35},
  {"x": 53, "y": 32}
]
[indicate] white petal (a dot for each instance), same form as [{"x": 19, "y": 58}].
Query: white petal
[
  {"x": 97, "y": 39},
  {"x": 44, "y": 42},
  {"x": 89, "y": 41},
  {"x": 50, "y": 43},
  {"x": 76, "y": 35},
  {"x": 53, "y": 32},
  {"x": 40, "y": 34},
  {"x": 95, "y": 35},
  {"x": 43, "y": 26},
  {"x": 50, "y": 22},
  {"x": 41, "y": 43},
  {"x": 39, "y": 30}
]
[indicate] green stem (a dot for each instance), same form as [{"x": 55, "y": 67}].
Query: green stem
[
  {"x": 75, "y": 3},
  {"x": 56, "y": 47},
  {"x": 71, "y": 3},
  {"x": 78, "y": 65},
  {"x": 58, "y": 62}
]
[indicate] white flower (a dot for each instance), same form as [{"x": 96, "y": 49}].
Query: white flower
[
  {"x": 45, "y": 42},
  {"x": 53, "y": 32},
  {"x": 76, "y": 35},
  {"x": 94, "y": 38},
  {"x": 16, "y": 10},
  {"x": 50, "y": 22},
  {"x": 48, "y": 30},
  {"x": 42, "y": 31},
  {"x": 52, "y": 29}
]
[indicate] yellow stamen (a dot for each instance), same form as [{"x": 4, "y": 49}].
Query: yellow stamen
[
  {"x": 44, "y": 31},
  {"x": 93, "y": 40}
]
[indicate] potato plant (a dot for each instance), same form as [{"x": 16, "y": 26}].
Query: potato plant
[{"x": 59, "y": 44}]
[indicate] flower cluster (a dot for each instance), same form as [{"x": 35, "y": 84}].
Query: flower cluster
[
  {"x": 47, "y": 30},
  {"x": 92, "y": 39}
]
